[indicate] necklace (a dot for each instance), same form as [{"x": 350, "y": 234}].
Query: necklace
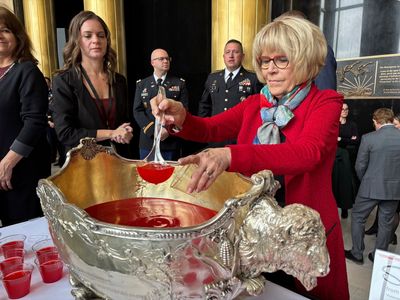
[{"x": 7, "y": 70}]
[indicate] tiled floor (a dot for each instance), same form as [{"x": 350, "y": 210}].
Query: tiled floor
[{"x": 359, "y": 276}]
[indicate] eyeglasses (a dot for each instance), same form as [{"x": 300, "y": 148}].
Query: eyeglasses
[
  {"x": 281, "y": 62},
  {"x": 163, "y": 58},
  {"x": 345, "y": 109}
]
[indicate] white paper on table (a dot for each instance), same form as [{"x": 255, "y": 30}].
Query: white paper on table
[{"x": 385, "y": 281}]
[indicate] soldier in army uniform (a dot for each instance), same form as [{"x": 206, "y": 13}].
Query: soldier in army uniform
[
  {"x": 226, "y": 88},
  {"x": 146, "y": 89}
]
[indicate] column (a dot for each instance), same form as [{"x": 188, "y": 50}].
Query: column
[
  {"x": 40, "y": 26},
  {"x": 236, "y": 19},
  {"x": 111, "y": 11}
]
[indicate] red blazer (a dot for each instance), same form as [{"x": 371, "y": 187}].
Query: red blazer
[{"x": 305, "y": 158}]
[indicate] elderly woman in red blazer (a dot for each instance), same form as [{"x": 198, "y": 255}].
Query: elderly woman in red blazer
[{"x": 290, "y": 128}]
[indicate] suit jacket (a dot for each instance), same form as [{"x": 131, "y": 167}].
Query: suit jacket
[
  {"x": 217, "y": 97},
  {"x": 326, "y": 78},
  {"x": 75, "y": 113},
  {"x": 305, "y": 158},
  {"x": 378, "y": 164},
  {"x": 146, "y": 89}
]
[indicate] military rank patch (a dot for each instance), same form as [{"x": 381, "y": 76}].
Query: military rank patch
[
  {"x": 144, "y": 93},
  {"x": 245, "y": 82},
  {"x": 174, "y": 88}
]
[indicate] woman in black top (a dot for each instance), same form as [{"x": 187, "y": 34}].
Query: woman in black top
[
  {"x": 24, "y": 151},
  {"x": 344, "y": 179},
  {"x": 90, "y": 98}
]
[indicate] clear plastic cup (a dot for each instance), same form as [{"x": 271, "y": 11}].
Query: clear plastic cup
[
  {"x": 44, "y": 246},
  {"x": 13, "y": 252},
  {"x": 45, "y": 256},
  {"x": 15, "y": 241},
  {"x": 8, "y": 262},
  {"x": 17, "y": 280},
  {"x": 50, "y": 266}
]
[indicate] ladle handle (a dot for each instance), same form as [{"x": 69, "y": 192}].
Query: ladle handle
[{"x": 158, "y": 130}]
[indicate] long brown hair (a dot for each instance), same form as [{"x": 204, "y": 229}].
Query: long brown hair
[
  {"x": 23, "y": 50},
  {"x": 72, "y": 52}
]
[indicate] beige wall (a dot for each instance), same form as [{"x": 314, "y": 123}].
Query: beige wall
[
  {"x": 236, "y": 19},
  {"x": 8, "y": 3}
]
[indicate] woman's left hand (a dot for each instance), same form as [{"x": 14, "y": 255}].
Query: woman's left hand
[{"x": 211, "y": 163}]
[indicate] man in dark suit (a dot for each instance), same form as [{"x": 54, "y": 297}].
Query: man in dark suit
[
  {"x": 377, "y": 166},
  {"x": 146, "y": 89},
  {"x": 326, "y": 78}
]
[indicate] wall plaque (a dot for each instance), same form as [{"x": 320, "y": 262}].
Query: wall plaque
[{"x": 375, "y": 77}]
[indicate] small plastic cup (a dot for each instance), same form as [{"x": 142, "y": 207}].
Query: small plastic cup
[
  {"x": 50, "y": 266},
  {"x": 15, "y": 241},
  {"x": 8, "y": 262},
  {"x": 13, "y": 252},
  {"x": 44, "y": 246},
  {"x": 17, "y": 280},
  {"x": 46, "y": 256}
]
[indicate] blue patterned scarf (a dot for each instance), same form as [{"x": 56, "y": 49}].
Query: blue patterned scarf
[{"x": 277, "y": 114}]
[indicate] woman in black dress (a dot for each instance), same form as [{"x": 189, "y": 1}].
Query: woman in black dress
[
  {"x": 344, "y": 181},
  {"x": 24, "y": 151}
]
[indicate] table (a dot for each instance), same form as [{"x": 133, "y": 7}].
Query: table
[{"x": 37, "y": 229}]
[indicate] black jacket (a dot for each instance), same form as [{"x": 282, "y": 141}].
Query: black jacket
[
  {"x": 217, "y": 97},
  {"x": 23, "y": 123},
  {"x": 76, "y": 115},
  {"x": 146, "y": 89}
]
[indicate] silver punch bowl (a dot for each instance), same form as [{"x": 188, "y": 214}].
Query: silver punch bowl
[{"x": 124, "y": 238}]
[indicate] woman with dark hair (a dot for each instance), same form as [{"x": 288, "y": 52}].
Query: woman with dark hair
[
  {"x": 24, "y": 151},
  {"x": 90, "y": 97},
  {"x": 290, "y": 128},
  {"x": 344, "y": 179}
]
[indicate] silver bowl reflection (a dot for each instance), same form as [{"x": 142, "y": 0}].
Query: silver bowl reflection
[{"x": 218, "y": 258}]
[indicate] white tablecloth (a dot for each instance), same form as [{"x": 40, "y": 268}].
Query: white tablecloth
[{"x": 37, "y": 229}]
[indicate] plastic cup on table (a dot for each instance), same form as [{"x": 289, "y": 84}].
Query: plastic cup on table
[
  {"x": 13, "y": 252},
  {"x": 50, "y": 266},
  {"x": 15, "y": 241},
  {"x": 44, "y": 246},
  {"x": 17, "y": 280},
  {"x": 8, "y": 262}
]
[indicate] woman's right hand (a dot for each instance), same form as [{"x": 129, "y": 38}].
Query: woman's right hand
[
  {"x": 123, "y": 134},
  {"x": 174, "y": 111}
]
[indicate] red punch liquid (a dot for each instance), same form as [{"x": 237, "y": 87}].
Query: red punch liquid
[
  {"x": 9, "y": 262},
  {"x": 17, "y": 284},
  {"x": 154, "y": 172},
  {"x": 45, "y": 250},
  {"x": 51, "y": 270},
  {"x": 12, "y": 245},
  {"x": 45, "y": 256},
  {"x": 151, "y": 212}
]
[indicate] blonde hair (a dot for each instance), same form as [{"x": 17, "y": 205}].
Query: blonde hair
[{"x": 300, "y": 40}]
